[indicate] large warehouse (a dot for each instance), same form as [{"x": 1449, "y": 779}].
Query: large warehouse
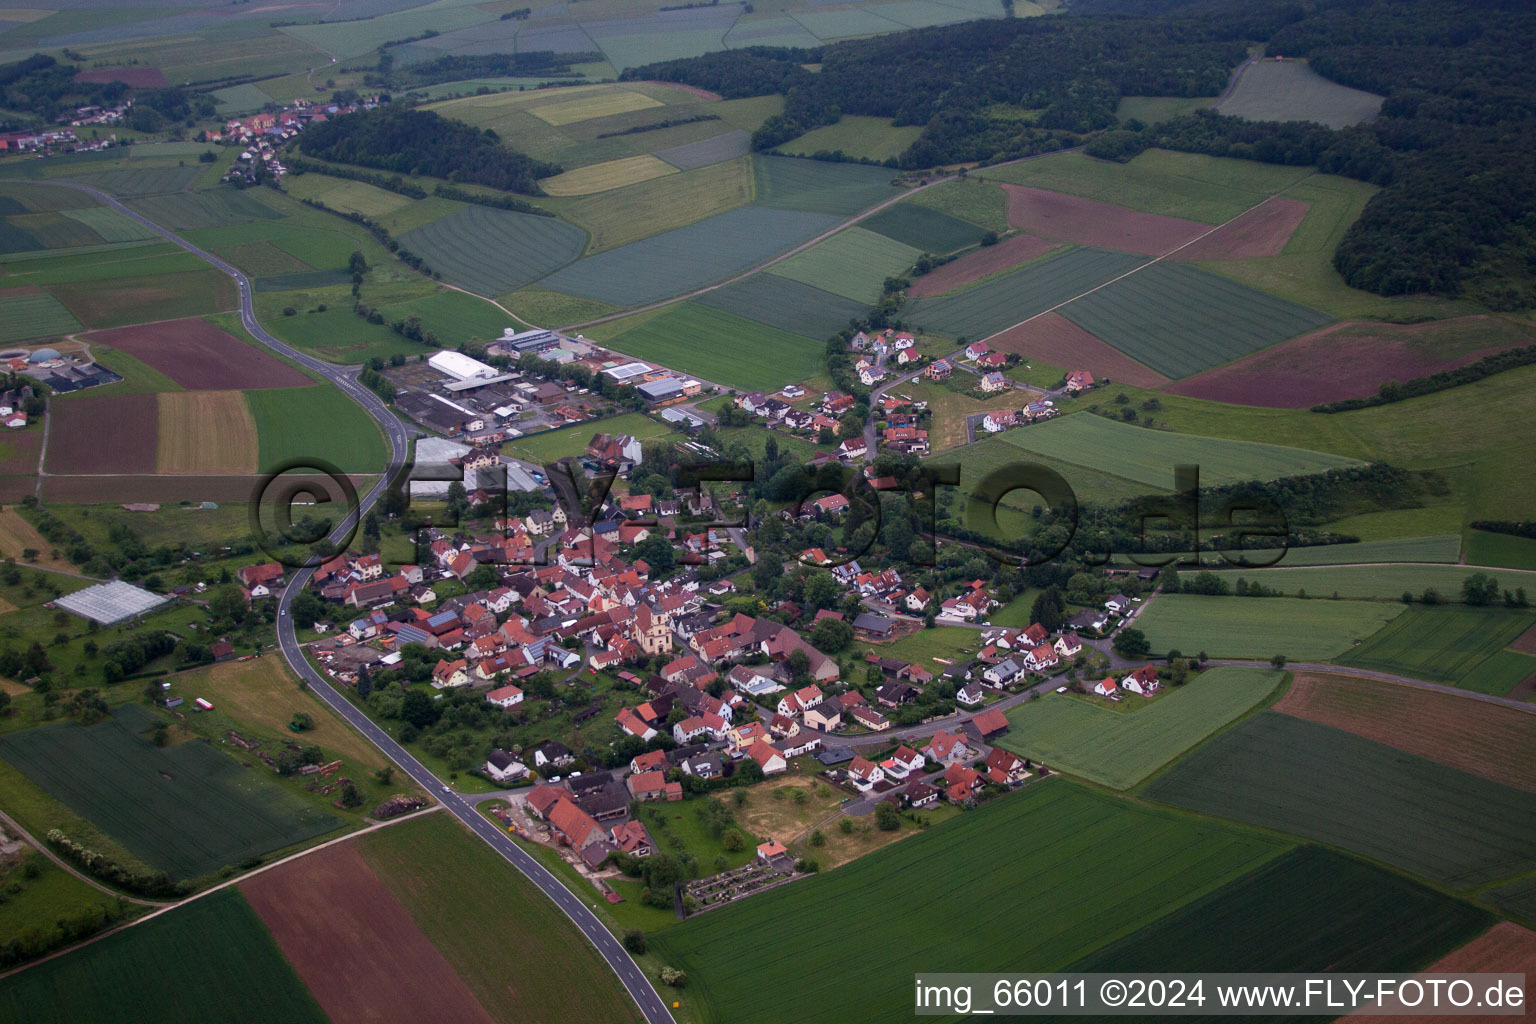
[{"x": 457, "y": 364}]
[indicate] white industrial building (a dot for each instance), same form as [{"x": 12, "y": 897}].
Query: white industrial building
[{"x": 457, "y": 364}]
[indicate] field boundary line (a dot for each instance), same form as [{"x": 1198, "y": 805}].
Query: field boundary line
[
  {"x": 1155, "y": 260},
  {"x": 1327, "y": 668},
  {"x": 163, "y": 908}
]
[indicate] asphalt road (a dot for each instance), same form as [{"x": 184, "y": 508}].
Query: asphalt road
[{"x": 639, "y": 988}]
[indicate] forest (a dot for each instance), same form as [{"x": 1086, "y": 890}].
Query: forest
[
  {"x": 42, "y": 89},
  {"x": 1452, "y": 148},
  {"x": 405, "y": 141}
]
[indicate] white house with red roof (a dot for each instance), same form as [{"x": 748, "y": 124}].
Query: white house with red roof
[
  {"x": 976, "y": 349},
  {"x": 1041, "y": 658},
  {"x": 1105, "y": 688},
  {"x": 947, "y": 748},
  {"x": 450, "y": 673},
  {"x": 1068, "y": 644},
  {"x": 505, "y": 696},
  {"x": 864, "y": 774},
  {"x": 1143, "y": 681},
  {"x": 1078, "y": 380}
]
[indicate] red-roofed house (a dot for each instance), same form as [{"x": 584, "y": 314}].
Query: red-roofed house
[
  {"x": 947, "y": 748},
  {"x": 574, "y": 826},
  {"x": 632, "y": 724},
  {"x": 505, "y": 696},
  {"x": 864, "y": 774},
  {"x": 768, "y": 757},
  {"x": 1142, "y": 681}
]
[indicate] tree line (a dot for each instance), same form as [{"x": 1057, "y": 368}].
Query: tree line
[{"x": 418, "y": 142}]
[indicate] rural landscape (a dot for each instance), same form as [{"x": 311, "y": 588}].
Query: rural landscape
[{"x": 614, "y": 511}]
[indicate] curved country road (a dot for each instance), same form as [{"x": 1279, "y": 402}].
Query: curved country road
[{"x": 639, "y": 988}]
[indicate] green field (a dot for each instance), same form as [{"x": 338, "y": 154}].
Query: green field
[
  {"x": 852, "y": 263},
  {"x": 316, "y": 422},
  {"x": 1333, "y": 786},
  {"x": 111, "y": 225},
  {"x": 145, "y": 180},
  {"x": 209, "y": 960},
  {"x": 1179, "y": 319},
  {"x": 39, "y": 315},
  {"x": 925, "y": 228},
  {"x": 347, "y": 196},
  {"x": 817, "y": 187},
  {"x": 219, "y": 207},
  {"x": 654, "y": 207},
  {"x": 690, "y": 257},
  {"x": 1457, "y": 645},
  {"x": 1156, "y": 109},
  {"x": 1386, "y": 582},
  {"x": 51, "y": 231},
  {"x": 922, "y": 648},
  {"x": 873, "y": 138},
  {"x": 785, "y": 304},
  {"x": 1120, "y": 749},
  {"x": 1291, "y": 91},
  {"x": 557, "y": 444},
  {"x": 1000, "y": 302},
  {"x": 495, "y": 251},
  {"x": 1260, "y": 627},
  {"x": 1500, "y": 549},
  {"x": 186, "y": 809},
  {"x": 1518, "y": 899},
  {"x": 1204, "y": 188},
  {"x": 976, "y": 201},
  {"x": 542, "y": 306},
  {"x": 452, "y": 315},
  {"x": 559, "y": 974},
  {"x": 36, "y": 905},
  {"x": 988, "y": 455},
  {"x": 1442, "y": 548},
  {"x": 1149, "y": 456},
  {"x": 1037, "y": 858},
  {"x": 136, "y": 300},
  {"x": 99, "y": 263},
  {"x": 338, "y": 334},
  {"x": 722, "y": 348},
  {"x": 1376, "y": 920}
]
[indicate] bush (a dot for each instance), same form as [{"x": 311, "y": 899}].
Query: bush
[
  {"x": 818, "y": 838},
  {"x": 674, "y": 977},
  {"x": 634, "y": 941}
]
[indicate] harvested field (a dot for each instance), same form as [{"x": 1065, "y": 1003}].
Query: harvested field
[
  {"x": 597, "y": 104},
  {"x": 1088, "y": 222},
  {"x": 17, "y": 535},
  {"x": 205, "y": 432},
  {"x": 354, "y": 945},
  {"x": 198, "y": 356},
  {"x": 1274, "y": 90},
  {"x": 1352, "y": 360},
  {"x": 1506, "y": 948},
  {"x": 1054, "y": 339},
  {"x": 103, "y": 434},
  {"x": 134, "y": 77},
  {"x": 137, "y": 300},
  {"x": 630, "y": 170},
  {"x": 1496, "y": 742},
  {"x": 982, "y": 263},
  {"x": 1262, "y": 231}
]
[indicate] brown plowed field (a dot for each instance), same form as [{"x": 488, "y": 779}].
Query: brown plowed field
[
  {"x": 1496, "y": 742},
  {"x": 198, "y": 356},
  {"x": 355, "y": 946},
  {"x": 1088, "y": 222},
  {"x": 146, "y": 486},
  {"x": 979, "y": 264},
  {"x": 135, "y": 77},
  {"x": 205, "y": 432},
  {"x": 1351, "y": 360},
  {"x": 1506, "y": 948},
  {"x": 1262, "y": 231},
  {"x": 93, "y": 433},
  {"x": 1056, "y": 340},
  {"x": 1525, "y": 643},
  {"x": 19, "y": 448}
]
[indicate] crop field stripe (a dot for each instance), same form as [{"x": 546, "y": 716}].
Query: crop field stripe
[
  {"x": 852, "y": 263},
  {"x": 723, "y": 348},
  {"x": 227, "y": 967},
  {"x": 205, "y": 432},
  {"x": 1333, "y": 786},
  {"x": 111, "y": 225},
  {"x": 811, "y": 185},
  {"x": 718, "y": 149},
  {"x": 492, "y": 252},
  {"x": 1180, "y": 320},
  {"x": 1447, "y": 644},
  {"x": 585, "y": 108},
  {"x": 1271, "y": 920},
  {"x": 1148, "y": 456},
  {"x": 186, "y": 809},
  {"x": 1121, "y": 749},
  {"x": 1261, "y": 627},
  {"x": 629, "y": 170},
  {"x": 788, "y": 305},
  {"x": 1049, "y": 856},
  {"x": 1006, "y": 301},
  {"x": 678, "y": 261}
]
